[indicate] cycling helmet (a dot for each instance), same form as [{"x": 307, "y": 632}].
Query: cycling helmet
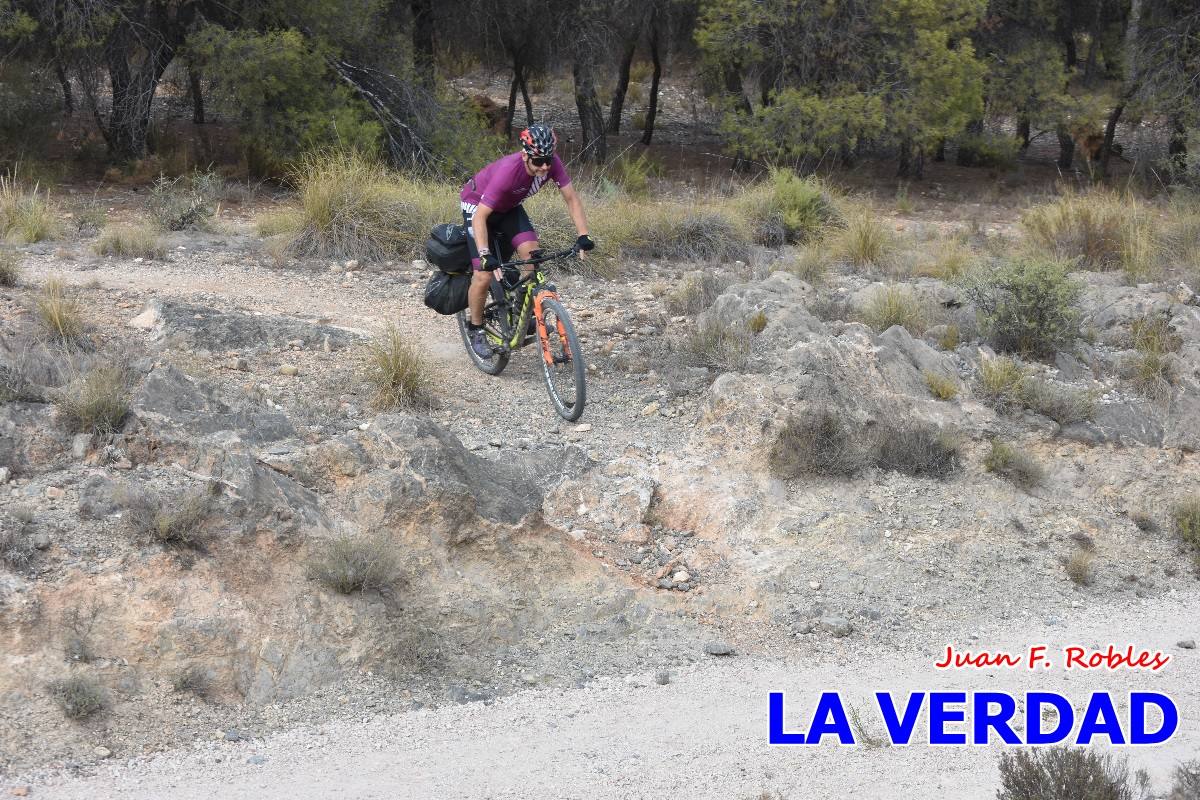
[{"x": 539, "y": 140}]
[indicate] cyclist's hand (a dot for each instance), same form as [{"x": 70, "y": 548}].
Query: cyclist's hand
[
  {"x": 490, "y": 263},
  {"x": 584, "y": 242}
]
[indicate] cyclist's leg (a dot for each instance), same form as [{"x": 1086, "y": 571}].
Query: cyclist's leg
[
  {"x": 480, "y": 280},
  {"x": 522, "y": 234}
]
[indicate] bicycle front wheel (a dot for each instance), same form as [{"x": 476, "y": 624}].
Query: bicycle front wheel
[{"x": 562, "y": 362}]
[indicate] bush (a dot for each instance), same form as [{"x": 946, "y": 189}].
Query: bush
[
  {"x": 398, "y": 373},
  {"x": 1154, "y": 339},
  {"x": 1000, "y": 380},
  {"x": 194, "y": 679},
  {"x": 96, "y": 403},
  {"x": 865, "y": 242},
  {"x": 1079, "y": 567},
  {"x": 632, "y": 175},
  {"x": 1098, "y": 231},
  {"x": 1007, "y": 384},
  {"x": 26, "y": 215},
  {"x": 10, "y": 268},
  {"x": 188, "y": 201},
  {"x": 950, "y": 260},
  {"x": 895, "y": 305},
  {"x": 178, "y": 521},
  {"x": 1144, "y": 521},
  {"x": 916, "y": 448},
  {"x": 757, "y": 322},
  {"x": 1013, "y": 464},
  {"x": 940, "y": 386},
  {"x": 1066, "y": 773},
  {"x": 816, "y": 444},
  {"x": 354, "y": 563},
  {"x": 78, "y": 696},
  {"x": 1186, "y": 517},
  {"x": 696, "y": 292},
  {"x": 716, "y": 345},
  {"x": 1027, "y": 306},
  {"x": 1186, "y": 781},
  {"x": 16, "y": 544},
  {"x": 130, "y": 241},
  {"x": 988, "y": 150},
  {"x": 788, "y": 209},
  {"x": 60, "y": 313}
]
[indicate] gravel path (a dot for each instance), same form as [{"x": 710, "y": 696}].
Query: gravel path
[{"x": 701, "y": 736}]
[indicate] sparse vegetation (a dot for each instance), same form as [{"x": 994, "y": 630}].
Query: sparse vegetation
[
  {"x": 1093, "y": 230},
  {"x": 10, "y": 268},
  {"x": 1067, "y": 773},
  {"x": 398, "y": 373},
  {"x": 193, "y": 679},
  {"x": 1154, "y": 368},
  {"x": 96, "y": 403},
  {"x": 1185, "y": 784},
  {"x": 757, "y": 322},
  {"x": 1186, "y": 517},
  {"x": 178, "y": 521},
  {"x": 187, "y": 201},
  {"x": 817, "y": 443},
  {"x": 78, "y": 696},
  {"x": 865, "y": 242},
  {"x": 1079, "y": 566},
  {"x": 26, "y": 214},
  {"x": 949, "y": 261},
  {"x": 724, "y": 347},
  {"x": 694, "y": 293},
  {"x": 1026, "y": 306},
  {"x": 1144, "y": 521},
  {"x": 810, "y": 265},
  {"x": 632, "y": 174},
  {"x": 895, "y": 305},
  {"x": 130, "y": 241},
  {"x": 786, "y": 209},
  {"x": 940, "y": 386},
  {"x": 915, "y": 448},
  {"x": 949, "y": 338},
  {"x": 1010, "y": 462},
  {"x": 60, "y": 313},
  {"x": 1006, "y": 384},
  {"x": 16, "y": 543},
  {"x": 350, "y": 564}
]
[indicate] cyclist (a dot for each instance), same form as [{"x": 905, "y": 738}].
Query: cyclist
[{"x": 491, "y": 202}]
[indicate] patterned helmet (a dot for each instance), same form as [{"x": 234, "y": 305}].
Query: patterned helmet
[{"x": 539, "y": 140}]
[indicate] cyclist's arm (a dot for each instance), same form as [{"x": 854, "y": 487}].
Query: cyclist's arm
[
  {"x": 479, "y": 227},
  {"x": 574, "y": 208}
]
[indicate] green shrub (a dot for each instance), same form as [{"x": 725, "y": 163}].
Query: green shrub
[
  {"x": 1027, "y": 306},
  {"x": 788, "y": 209},
  {"x": 354, "y": 563},
  {"x": 1186, "y": 517},
  {"x": 398, "y": 373},
  {"x": 895, "y": 305},
  {"x": 96, "y": 403},
  {"x": 10, "y": 268},
  {"x": 30, "y": 102},
  {"x": 131, "y": 241},
  {"x": 1067, "y": 773},
  {"x": 78, "y": 696},
  {"x": 59, "y": 312},
  {"x": 714, "y": 344},
  {"x": 1009, "y": 462},
  {"x": 632, "y": 175},
  {"x": 26, "y": 214},
  {"x": 988, "y": 150}
]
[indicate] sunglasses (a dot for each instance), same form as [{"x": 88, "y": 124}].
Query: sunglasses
[{"x": 540, "y": 161}]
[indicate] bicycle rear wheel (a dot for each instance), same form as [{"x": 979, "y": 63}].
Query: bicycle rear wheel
[
  {"x": 563, "y": 367},
  {"x": 499, "y": 360}
]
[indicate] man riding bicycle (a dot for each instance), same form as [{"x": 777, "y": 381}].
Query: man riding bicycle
[{"x": 491, "y": 203}]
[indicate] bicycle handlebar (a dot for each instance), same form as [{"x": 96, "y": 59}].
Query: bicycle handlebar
[{"x": 570, "y": 251}]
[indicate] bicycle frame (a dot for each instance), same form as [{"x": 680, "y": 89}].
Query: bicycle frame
[{"x": 536, "y": 291}]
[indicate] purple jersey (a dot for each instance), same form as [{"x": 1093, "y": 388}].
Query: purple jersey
[{"x": 502, "y": 185}]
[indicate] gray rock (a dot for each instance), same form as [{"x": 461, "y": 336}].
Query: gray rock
[
  {"x": 256, "y": 760},
  {"x": 461, "y": 694},
  {"x": 662, "y": 678},
  {"x": 718, "y": 648},
  {"x": 41, "y": 541},
  {"x": 837, "y": 625},
  {"x": 97, "y": 497},
  {"x": 1125, "y": 423},
  {"x": 232, "y": 735},
  {"x": 196, "y": 327},
  {"x": 1186, "y": 644},
  {"x": 80, "y": 444}
]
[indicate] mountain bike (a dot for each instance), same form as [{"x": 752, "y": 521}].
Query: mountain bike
[{"x": 522, "y": 310}]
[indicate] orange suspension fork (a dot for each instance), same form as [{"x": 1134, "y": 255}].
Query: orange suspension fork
[{"x": 544, "y": 337}]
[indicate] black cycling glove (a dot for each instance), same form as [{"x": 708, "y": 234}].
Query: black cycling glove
[
  {"x": 584, "y": 242},
  {"x": 490, "y": 262}
]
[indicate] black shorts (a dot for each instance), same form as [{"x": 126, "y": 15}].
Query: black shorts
[{"x": 507, "y": 231}]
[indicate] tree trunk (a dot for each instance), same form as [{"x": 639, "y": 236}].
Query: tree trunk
[
  {"x": 197, "y": 94},
  {"x": 1110, "y": 130},
  {"x": 65, "y": 83},
  {"x": 968, "y": 156},
  {"x": 525, "y": 97},
  {"x": 1177, "y": 146},
  {"x": 618, "y": 100},
  {"x": 1023, "y": 131},
  {"x": 591, "y": 118},
  {"x": 133, "y": 88},
  {"x": 422, "y": 39},
  {"x": 905, "y": 166},
  {"x": 652, "y": 109},
  {"x": 512, "y": 101},
  {"x": 733, "y": 85},
  {"x": 1066, "y": 148},
  {"x": 939, "y": 155}
]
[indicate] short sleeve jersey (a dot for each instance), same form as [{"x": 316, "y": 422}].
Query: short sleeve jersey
[{"x": 504, "y": 184}]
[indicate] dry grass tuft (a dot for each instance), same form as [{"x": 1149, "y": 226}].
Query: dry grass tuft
[
  {"x": 96, "y": 403},
  {"x": 696, "y": 292},
  {"x": 398, "y": 373},
  {"x": 78, "y": 696},
  {"x": 865, "y": 242},
  {"x": 10, "y": 268},
  {"x": 354, "y": 563},
  {"x": 719, "y": 346},
  {"x": 1014, "y": 464},
  {"x": 131, "y": 241},
  {"x": 177, "y": 521},
  {"x": 940, "y": 386},
  {"x": 60, "y": 313},
  {"x": 895, "y": 305},
  {"x": 1079, "y": 567},
  {"x": 1185, "y": 515},
  {"x": 26, "y": 215}
]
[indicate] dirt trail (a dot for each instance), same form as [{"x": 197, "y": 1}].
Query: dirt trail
[{"x": 701, "y": 736}]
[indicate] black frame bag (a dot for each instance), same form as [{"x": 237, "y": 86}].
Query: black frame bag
[
  {"x": 446, "y": 293},
  {"x": 447, "y": 250}
]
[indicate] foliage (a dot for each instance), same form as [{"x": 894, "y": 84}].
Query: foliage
[
  {"x": 815, "y": 443},
  {"x": 96, "y": 403},
  {"x": 188, "y": 201},
  {"x": 1079, "y": 567},
  {"x": 632, "y": 174},
  {"x": 59, "y": 312},
  {"x": 16, "y": 543},
  {"x": 130, "y": 241},
  {"x": 1010, "y": 462},
  {"x": 398, "y": 373},
  {"x": 787, "y": 209},
  {"x": 29, "y": 106},
  {"x": 78, "y": 696},
  {"x": 1026, "y": 306},
  {"x": 178, "y": 520},
  {"x": 948, "y": 261},
  {"x": 1067, "y": 773},
  {"x": 865, "y": 242},
  {"x": 26, "y": 214},
  {"x": 694, "y": 293},
  {"x": 940, "y": 386},
  {"x": 350, "y": 564},
  {"x": 1186, "y": 516},
  {"x": 720, "y": 346},
  {"x": 1100, "y": 231},
  {"x": 895, "y": 305},
  {"x": 984, "y": 150},
  {"x": 915, "y": 448},
  {"x": 10, "y": 268}
]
